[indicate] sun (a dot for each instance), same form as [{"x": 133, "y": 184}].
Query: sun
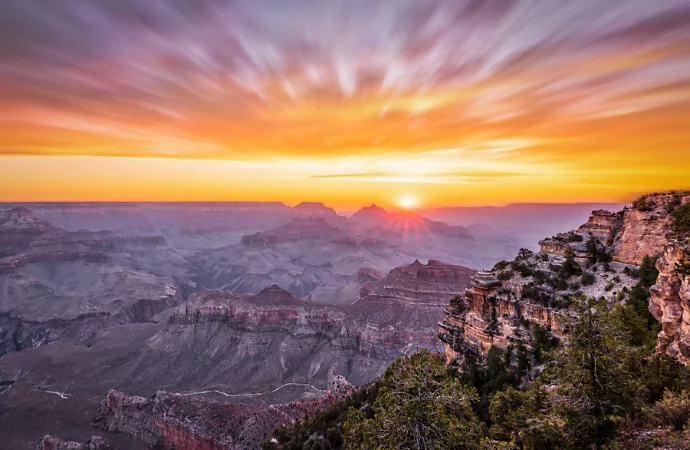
[{"x": 407, "y": 202}]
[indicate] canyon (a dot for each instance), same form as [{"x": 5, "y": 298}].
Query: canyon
[{"x": 234, "y": 308}]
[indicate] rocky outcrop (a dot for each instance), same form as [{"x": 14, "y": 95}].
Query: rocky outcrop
[
  {"x": 630, "y": 234},
  {"x": 55, "y": 443},
  {"x": 499, "y": 313},
  {"x": 644, "y": 229},
  {"x": 604, "y": 225},
  {"x": 503, "y": 306},
  {"x": 670, "y": 302},
  {"x": 190, "y": 422}
]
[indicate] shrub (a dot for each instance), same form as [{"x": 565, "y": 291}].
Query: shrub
[
  {"x": 681, "y": 219},
  {"x": 648, "y": 271},
  {"x": 562, "y": 284},
  {"x": 570, "y": 267},
  {"x": 501, "y": 265},
  {"x": 673, "y": 204},
  {"x": 575, "y": 238},
  {"x": 419, "y": 406},
  {"x": 524, "y": 254},
  {"x": 504, "y": 275},
  {"x": 588, "y": 279},
  {"x": 642, "y": 204},
  {"x": 673, "y": 409},
  {"x": 682, "y": 267},
  {"x": 458, "y": 304}
]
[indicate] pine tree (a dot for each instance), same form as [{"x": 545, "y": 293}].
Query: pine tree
[
  {"x": 595, "y": 384},
  {"x": 420, "y": 406}
]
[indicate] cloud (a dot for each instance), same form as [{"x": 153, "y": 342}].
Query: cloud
[{"x": 258, "y": 79}]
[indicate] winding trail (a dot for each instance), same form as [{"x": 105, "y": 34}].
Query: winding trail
[{"x": 257, "y": 394}]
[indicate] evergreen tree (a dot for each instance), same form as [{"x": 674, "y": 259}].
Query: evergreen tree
[
  {"x": 420, "y": 406},
  {"x": 570, "y": 267},
  {"x": 595, "y": 383},
  {"x": 648, "y": 272}
]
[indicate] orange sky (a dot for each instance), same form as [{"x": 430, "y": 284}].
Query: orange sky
[{"x": 451, "y": 103}]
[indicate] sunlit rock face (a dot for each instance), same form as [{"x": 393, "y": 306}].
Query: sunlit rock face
[
  {"x": 644, "y": 229},
  {"x": 502, "y": 306},
  {"x": 670, "y": 303}
]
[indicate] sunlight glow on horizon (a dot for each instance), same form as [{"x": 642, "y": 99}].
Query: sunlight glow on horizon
[{"x": 349, "y": 103}]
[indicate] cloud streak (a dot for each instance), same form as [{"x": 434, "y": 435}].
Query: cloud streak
[{"x": 516, "y": 81}]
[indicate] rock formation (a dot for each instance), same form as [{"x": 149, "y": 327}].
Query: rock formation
[
  {"x": 670, "y": 302},
  {"x": 502, "y": 306},
  {"x": 190, "y": 422},
  {"x": 54, "y": 443}
]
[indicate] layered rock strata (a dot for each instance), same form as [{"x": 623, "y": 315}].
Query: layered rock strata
[
  {"x": 169, "y": 420},
  {"x": 502, "y": 306},
  {"x": 670, "y": 302}
]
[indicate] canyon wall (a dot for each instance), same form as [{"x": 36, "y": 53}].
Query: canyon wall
[
  {"x": 172, "y": 420},
  {"x": 502, "y": 306}
]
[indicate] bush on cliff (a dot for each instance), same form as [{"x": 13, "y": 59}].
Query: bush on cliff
[
  {"x": 596, "y": 385},
  {"x": 570, "y": 267},
  {"x": 681, "y": 219},
  {"x": 420, "y": 406}
]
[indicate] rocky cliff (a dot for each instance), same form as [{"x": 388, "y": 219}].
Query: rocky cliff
[
  {"x": 670, "y": 302},
  {"x": 170, "y": 420},
  {"x": 503, "y": 306},
  {"x": 55, "y": 443},
  {"x": 670, "y": 296}
]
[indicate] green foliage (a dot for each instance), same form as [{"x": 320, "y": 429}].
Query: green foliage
[
  {"x": 597, "y": 252},
  {"x": 588, "y": 279},
  {"x": 575, "y": 238},
  {"x": 458, "y": 304},
  {"x": 524, "y": 254},
  {"x": 570, "y": 267},
  {"x": 525, "y": 418},
  {"x": 682, "y": 267},
  {"x": 643, "y": 204},
  {"x": 542, "y": 342},
  {"x": 639, "y": 300},
  {"x": 562, "y": 284},
  {"x": 595, "y": 382},
  {"x": 673, "y": 410},
  {"x": 524, "y": 269},
  {"x": 663, "y": 372},
  {"x": 673, "y": 204},
  {"x": 648, "y": 271},
  {"x": 504, "y": 275},
  {"x": 501, "y": 265},
  {"x": 324, "y": 429},
  {"x": 419, "y": 406},
  {"x": 681, "y": 219}
]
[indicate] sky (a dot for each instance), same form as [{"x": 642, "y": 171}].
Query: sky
[{"x": 347, "y": 102}]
